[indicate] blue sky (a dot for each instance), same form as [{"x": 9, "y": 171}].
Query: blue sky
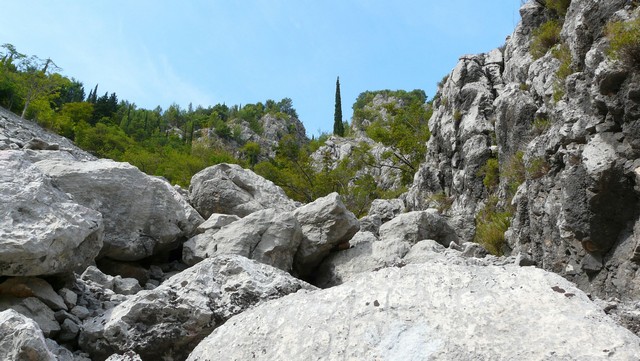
[{"x": 237, "y": 52}]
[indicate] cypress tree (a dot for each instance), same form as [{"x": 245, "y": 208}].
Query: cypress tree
[
  {"x": 338, "y": 127},
  {"x": 93, "y": 95}
]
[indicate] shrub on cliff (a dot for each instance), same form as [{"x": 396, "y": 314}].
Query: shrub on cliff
[
  {"x": 491, "y": 224},
  {"x": 625, "y": 42},
  {"x": 560, "y": 7},
  {"x": 544, "y": 38}
]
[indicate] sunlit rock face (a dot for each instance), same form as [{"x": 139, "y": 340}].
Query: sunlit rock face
[{"x": 575, "y": 211}]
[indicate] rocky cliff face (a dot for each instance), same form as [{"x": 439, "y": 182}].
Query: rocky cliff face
[
  {"x": 373, "y": 157},
  {"x": 273, "y": 128},
  {"x": 338, "y": 149},
  {"x": 575, "y": 211}
]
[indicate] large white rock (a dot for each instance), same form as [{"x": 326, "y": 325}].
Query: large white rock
[
  {"x": 398, "y": 238},
  {"x": 416, "y": 226},
  {"x": 364, "y": 255},
  {"x": 326, "y": 222},
  {"x": 230, "y": 189},
  {"x": 430, "y": 311},
  {"x": 21, "y": 339},
  {"x": 143, "y": 215},
  {"x": 368, "y": 253},
  {"x": 266, "y": 236},
  {"x": 42, "y": 230},
  {"x": 169, "y": 321}
]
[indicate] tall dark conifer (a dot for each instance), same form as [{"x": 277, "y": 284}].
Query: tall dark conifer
[
  {"x": 338, "y": 127},
  {"x": 93, "y": 95}
]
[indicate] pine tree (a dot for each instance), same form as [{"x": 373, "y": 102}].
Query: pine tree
[{"x": 338, "y": 127}]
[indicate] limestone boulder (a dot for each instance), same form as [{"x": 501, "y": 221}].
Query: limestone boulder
[
  {"x": 215, "y": 222},
  {"x": 370, "y": 223},
  {"x": 415, "y": 226},
  {"x": 42, "y": 230},
  {"x": 169, "y": 321},
  {"x": 398, "y": 237},
  {"x": 21, "y": 339},
  {"x": 34, "y": 309},
  {"x": 386, "y": 209},
  {"x": 368, "y": 254},
  {"x": 428, "y": 312},
  {"x": 267, "y": 236},
  {"x": 143, "y": 215},
  {"x": 364, "y": 255},
  {"x": 230, "y": 189},
  {"x": 33, "y": 287},
  {"x": 325, "y": 223}
]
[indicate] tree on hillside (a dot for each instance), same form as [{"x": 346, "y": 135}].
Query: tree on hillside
[
  {"x": 71, "y": 91},
  {"x": 38, "y": 80},
  {"x": 104, "y": 107},
  {"x": 405, "y": 130},
  {"x": 93, "y": 95},
  {"x": 9, "y": 89},
  {"x": 338, "y": 127}
]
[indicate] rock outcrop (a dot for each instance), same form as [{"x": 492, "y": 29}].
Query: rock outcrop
[
  {"x": 573, "y": 136},
  {"x": 230, "y": 189},
  {"x": 338, "y": 149},
  {"x": 43, "y": 231},
  {"x": 169, "y": 321},
  {"x": 428, "y": 311},
  {"x": 267, "y": 133},
  {"x": 142, "y": 215},
  {"x": 460, "y": 143},
  {"x": 275, "y": 127}
]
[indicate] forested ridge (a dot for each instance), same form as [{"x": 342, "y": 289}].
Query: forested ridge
[{"x": 176, "y": 143}]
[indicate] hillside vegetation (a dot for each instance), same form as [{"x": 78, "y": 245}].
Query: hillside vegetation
[{"x": 176, "y": 143}]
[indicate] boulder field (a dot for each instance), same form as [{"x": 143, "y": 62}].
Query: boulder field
[{"x": 99, "y": 261}]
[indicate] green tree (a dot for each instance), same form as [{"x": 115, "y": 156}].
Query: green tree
[
  {"x": 286, "y": 106},
  {"x": 38, "y": 80},
  {"x": 71, "y": 91},
  {"x": 103, "y": 140},
  {"x": 9, "y": 87},
  {"x": 69, "y": 116},
  {"x": 338, "y": 127},
  {"x": 251, "y": 151},
  {"x": 405, "y": 133},
  {"x": 93, "y": 95},
  {"x": 104, "y": 107}
]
